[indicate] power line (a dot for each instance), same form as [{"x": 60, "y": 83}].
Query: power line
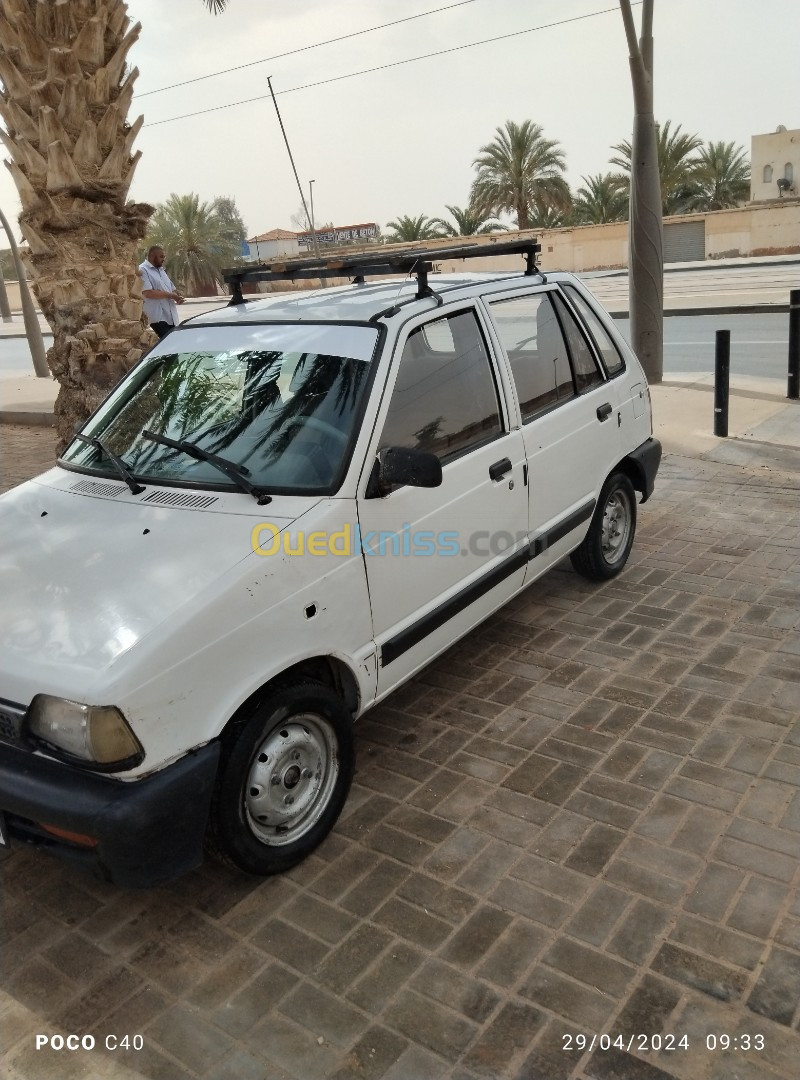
[
  {"x": 396, "y": 63},
  {"x": 304, "y": 48}
]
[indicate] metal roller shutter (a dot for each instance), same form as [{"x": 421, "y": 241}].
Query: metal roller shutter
[{"x": 685, "y": 241}]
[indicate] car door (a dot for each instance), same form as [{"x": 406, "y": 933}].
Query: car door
[
  {"x": 438, "y": 560},
  {"x": 569, "y": 417}
]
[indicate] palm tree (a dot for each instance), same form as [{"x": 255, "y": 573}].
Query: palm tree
[
  {"x": 407, "y": 228},
  {"x": 518, "y": 169},
  {"x": 677, "y": 168},
  {"x": 66, "y": 90},
  {"x": 65, "y": 98},
  {"x": 723, "y": 177},
  {"x": 197, "y": 240},
  {"x": 602, "y": 198},
  {"x": 466, "y": 222}
]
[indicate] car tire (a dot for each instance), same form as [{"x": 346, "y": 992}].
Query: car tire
[
  {"x": 284, "y": 778},
  {"x": 607, "y": 544}
]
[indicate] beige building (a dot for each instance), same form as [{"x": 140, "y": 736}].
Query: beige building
[
  {"x": 775, "y": 164},
  {"x": 270, "y": 244}
]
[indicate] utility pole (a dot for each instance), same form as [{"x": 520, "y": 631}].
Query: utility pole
[
  {"x": 32, "y": 329},
  {"x": 294, "y": 170},
  {"x": 313, "y": 225}
]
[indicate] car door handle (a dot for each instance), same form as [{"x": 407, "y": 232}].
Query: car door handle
[
  {"x": 604, "y": 412},
  {"x": 499, "y": 469}
]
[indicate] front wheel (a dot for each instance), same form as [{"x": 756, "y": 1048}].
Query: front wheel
[
  {"x": 607, "y": 544},
  {"x": 284, "y": 781}
]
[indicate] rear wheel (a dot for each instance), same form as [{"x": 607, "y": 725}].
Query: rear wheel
[
  {"x": 284, "y": 780},
  {"x": 608, "y": 542}
]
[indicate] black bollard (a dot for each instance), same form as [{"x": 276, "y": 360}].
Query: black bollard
[
  {"x": 793, "y": 389},
  {"x": 722, "y": 373}
]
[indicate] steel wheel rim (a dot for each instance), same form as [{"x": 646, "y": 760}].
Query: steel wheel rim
[
  {"x": 616, "y": 526},
  {"x": 291, "y": 779}
]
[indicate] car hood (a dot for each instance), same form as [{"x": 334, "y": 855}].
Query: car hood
[{"x": 83, "y": 579}]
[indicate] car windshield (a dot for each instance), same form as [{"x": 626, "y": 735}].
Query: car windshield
[{"x": 278, "y": 401}]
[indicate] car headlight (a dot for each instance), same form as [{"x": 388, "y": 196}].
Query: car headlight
[{"x": 96, "y": 734}]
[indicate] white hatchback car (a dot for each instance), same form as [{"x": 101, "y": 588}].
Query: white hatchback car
[{"x": 282, "y": 513}]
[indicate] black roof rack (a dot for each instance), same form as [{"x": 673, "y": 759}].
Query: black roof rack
[{"x": 382, "y": 261}]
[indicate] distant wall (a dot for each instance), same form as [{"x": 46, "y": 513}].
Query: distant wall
[{"x": 756, "y": 229}]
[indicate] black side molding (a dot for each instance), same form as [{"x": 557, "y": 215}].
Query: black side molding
[
  {"x": 408, "y": 638},
  {"x": 559, "y": 531},
  {"x": 413, "y": 634}
]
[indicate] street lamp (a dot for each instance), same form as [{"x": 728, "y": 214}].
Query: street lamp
[{"x": 313, "y": 229}]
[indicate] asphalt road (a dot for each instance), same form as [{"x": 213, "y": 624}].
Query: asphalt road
[{"x": 758, "y": 345}]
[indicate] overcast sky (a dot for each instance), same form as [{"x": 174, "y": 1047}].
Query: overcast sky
[{"x": 402, "y": 140}]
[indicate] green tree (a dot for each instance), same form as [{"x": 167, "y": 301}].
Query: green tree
[
  {"x": 601, "y": 199},
  {"x": 407, "y": 228},
  {"x": 197, "y": 241},
  {"x": 466, "y": 222},
  {"x": 722, "y": 179},
  {"x": 678, "y": 166},
  {"x": 519, "y": 171},
  {"x": 230, "y": 219}
]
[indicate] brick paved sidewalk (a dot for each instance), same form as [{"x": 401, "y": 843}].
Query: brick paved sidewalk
[{"x": 583, "y": 820}]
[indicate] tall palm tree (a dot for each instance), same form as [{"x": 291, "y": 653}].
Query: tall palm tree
[
  {"x": 197, "y": 240},
  {"x": 723, "y": 177},
  {"x": 64, "y": 99},
  {"x": 407, "y": 228},
  {"x": 518, "y": 169},
  {"x": 677, "y": 167},
  {"x": 466, "y": 222},
  {"x": 601, "y": 199}
]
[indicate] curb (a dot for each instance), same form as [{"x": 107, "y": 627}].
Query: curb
[{"x": 31, "y": 419}]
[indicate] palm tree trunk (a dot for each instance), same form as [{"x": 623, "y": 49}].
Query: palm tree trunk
[
  {"x": 646, "y": 256},
  {"x": 65, "y": 97}
]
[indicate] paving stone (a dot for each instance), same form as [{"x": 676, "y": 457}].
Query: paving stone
[
  {"x": 758, "y": 907},
  {"x": 390, "y": 972},
  {"x": 615, "y": 850},
  {"x": 469, "y": 996},
  {"x": 593, "y": 853},
  {"x": 503, "y": 1039},
  {"x": 776, "y": 993},
  {"x": 716, "y": 941},
  {"x": 597, "y": 916},
  {"x": 586, "y": 1007},
  {"x": 432, "y": 1025},
  {"x": 699, "y": 972},
  {"x": 185, "y": 1034},
  {"x": 640, "y": 932},
  {"x": 595, "y": 968},
  {"x": 372, "y": 1056}
]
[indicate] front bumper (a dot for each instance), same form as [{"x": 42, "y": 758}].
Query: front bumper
[{"x": 148, "y": 831}]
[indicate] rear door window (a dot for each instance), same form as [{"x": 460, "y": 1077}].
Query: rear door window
[{"x": 531, "y": 335}]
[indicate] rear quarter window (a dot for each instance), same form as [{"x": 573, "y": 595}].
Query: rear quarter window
[{"x": 612, "y": 357}]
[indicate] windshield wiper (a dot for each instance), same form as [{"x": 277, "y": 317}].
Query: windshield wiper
[
  {"x": 117, "y": 462},
  {"x": 237, "y": 473}
]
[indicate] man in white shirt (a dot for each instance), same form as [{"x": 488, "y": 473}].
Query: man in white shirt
[{"x": 159, "y": 293}]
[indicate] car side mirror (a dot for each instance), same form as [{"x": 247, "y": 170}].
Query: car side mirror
[{"x": 397, "y": 466}]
